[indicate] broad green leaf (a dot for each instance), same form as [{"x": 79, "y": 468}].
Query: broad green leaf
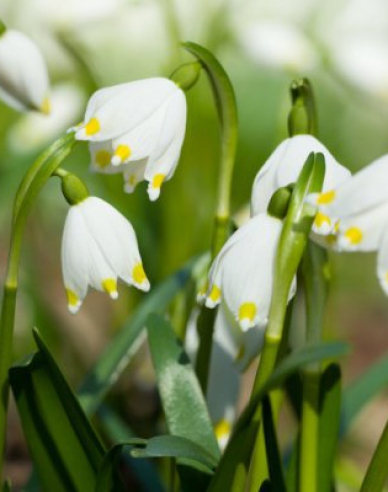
[
  {"x": 367, "y": 386},
  {"x": 119, "y": 352},
  {"x": 377, "y": 472},
  {"x": 182, "y": 398},
  {"x": 65, "y": 448},
  {"x": 329, "y": 423},
  {"x": 275, "y": 467},
  {"x": 241, "y": 441}
]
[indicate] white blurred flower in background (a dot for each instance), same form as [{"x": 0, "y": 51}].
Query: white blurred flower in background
[{"x": 34, "y": 131}]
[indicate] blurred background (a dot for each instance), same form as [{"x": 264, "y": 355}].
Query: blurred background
[{"x": 342, "y": 46}]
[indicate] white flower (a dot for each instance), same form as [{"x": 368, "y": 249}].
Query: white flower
[
  {"x": 34, "y": 131},
  {"x": 358, "y": 212},
  {"x": 242, "y": 273},
  {"x": 137, "y": 127},
  {"x": 24, "y": 82},
  {"x": 232, "y": 351},
  {"x": 283, "y": 167},
  {"x": 98, "y": 246}
]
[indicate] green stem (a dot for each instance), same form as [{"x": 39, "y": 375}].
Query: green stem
[
  {"x": 315, "y": 280},
  {"x": 225, "y": 102},
  {"x": 33, "y": 181}
]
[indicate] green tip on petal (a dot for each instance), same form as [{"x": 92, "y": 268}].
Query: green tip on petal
[{"x": 187, "y": 75}]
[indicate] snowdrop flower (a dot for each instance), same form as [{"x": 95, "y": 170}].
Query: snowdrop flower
[
  {"x": 232, "y": 351},
  {"x": 137, "y": 128},
  {"x": 99, "y": 246},
  {"x": 358, "y": 214},
  {"x": 283, "y": 167},
  {"x": 242, "y": 273},
  {"x": 34, "y": 131},
  {"x": 24, "y": 82}
]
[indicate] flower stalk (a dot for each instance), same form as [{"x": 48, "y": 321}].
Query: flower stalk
[
  {"x": 30, "y": 186},
  {"x": 225, "y": 102}
]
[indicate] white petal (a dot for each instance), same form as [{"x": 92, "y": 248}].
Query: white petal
[
  {"x": 365, "y": 190},
  {"x": 24, "y": 81},
  {"x": 362, "y": 232},
  {"x": 116, "y": 240},
  {"x": 382, "y": 260},
  {"x": 285, "y": 164},
  {"x": 133, "y": 174},
  {"x": 247, "y": 269},
  {"x": 117, "y": 110}
]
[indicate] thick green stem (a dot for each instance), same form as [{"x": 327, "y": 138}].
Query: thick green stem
[
  {"x": 33, "y": 181},
  {"x": 225, "y": 102}
]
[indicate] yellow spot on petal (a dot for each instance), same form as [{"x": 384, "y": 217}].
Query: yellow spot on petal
[
  {"x": 132, "y": 180},
  {"x": 138, "y": 274},
  {"x": 103, "y": 158},
  {"x": 157, "y": 180},
  {"x": 325, "y": 198},
  {"x": 336, "y": 226},
  {"x": 321, "y": 219},
  {"x": 72, "y": 298},
  {"x": 215, "y": 293},
  {"x": 247, "y": 311},
  {"x": 110, "y": 286},
  {"x": 222, "y": 429},
  {"x": 92, "y": 127},
  {"x": 46, "y": 106},
  {"x": 123, "y": 152},
  {"x": 354, "y": 235}
]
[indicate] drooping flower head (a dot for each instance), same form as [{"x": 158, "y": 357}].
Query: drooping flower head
[
  {"x": 357, "y": 211},
  {"x": 136, "y": 128},
  {"x": 283, "y": 167},
  {"x": 99, "y": 246},
  {"x": 24, "y": 82},
  {"x": 242, "y": 274}
]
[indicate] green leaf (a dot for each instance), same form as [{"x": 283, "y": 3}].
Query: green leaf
[
  {"x": 274, "y": 460},
  {"x": 361, "y": 392},
  {"x": 176, "y": 447},
  {"x": 65, "y": 448},
  {"x": 329, "y": 423},
  {"x": 377, "y": 472},
  {"x": 243, "y": 436},
  {"x": 119, "y": 352},
  {"x": 182, "y": 398},
  {"x": 7, "y": 486}
]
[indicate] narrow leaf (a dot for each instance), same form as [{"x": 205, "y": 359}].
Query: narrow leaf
[
  {"x": 64, "y": 446},
  {"x": 377, "y": 472},
  {"x": 329, "y": 423},
  {"x": 274, "y": 461},
  {"x": 361, "y": 392},
  {"x": 119, "y": 352}
]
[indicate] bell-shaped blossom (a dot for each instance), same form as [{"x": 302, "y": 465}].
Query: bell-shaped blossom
[
  {"x": 283, "y": 167},
  {"x": 358, "y": 212},
  {"x": 137, "y": 128},
  {"x": 242, "y": 274},
  {"x": 24, "y": 82},
  {"x": 99, "y": 246},
  {"x": 232, "y": 351}
]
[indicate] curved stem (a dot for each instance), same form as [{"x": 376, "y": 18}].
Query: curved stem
[
  {"x": 30, "y": 186},
  {"x": 225, "y": 102}
]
